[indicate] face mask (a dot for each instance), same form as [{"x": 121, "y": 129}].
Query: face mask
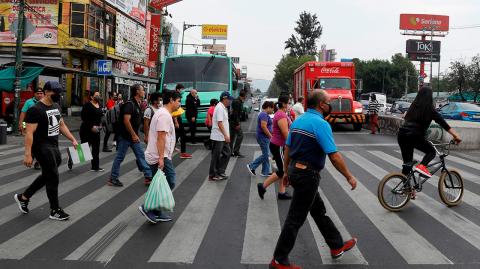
[
  {"x": 55, "y": 97},
  {"x": 98, "y": 99},
  {"x": 326, "y": 113}
]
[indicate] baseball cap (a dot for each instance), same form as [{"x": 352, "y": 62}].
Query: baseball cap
[
  {"x": 53, "y": 86},
  {"x": 38, "y": 90},
  {"x": 225, "y": 94}
]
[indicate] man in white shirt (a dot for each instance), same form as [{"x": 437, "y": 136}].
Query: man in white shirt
[
  {"x": 298, "y": 107},
  {"x": 155, "y": 103},
  {"x": 160, "y": 147},
  {"x": 220, "y": 137}
]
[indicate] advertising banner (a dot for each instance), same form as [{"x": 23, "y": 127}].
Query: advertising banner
[
  {"x": 424, "y": 22},
  {"x": 214, "y": 47},
  {"x": 424, "y": 57},
  {"x": 130, "y": 40},
  {"x": 214, "y": 31},
  {"x": 158, "y": 4},
  {"x": 136, "y": 9},
  {"x": 154, "y": 39},
  {"x": 43, "y": 14},
  {"x": 423, "y": 46}
]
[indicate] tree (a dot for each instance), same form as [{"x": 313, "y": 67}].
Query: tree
[
  {"x": 273, "y": 89},
  {"x": 308, "y": 31},
  {"x": 474, "y": 75},
  {"x": 285, "y": 69},
  {"x": 458, "y": 76}
]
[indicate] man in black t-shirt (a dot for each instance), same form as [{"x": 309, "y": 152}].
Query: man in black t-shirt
[
  {"x": 44, "y": 124},
  {"x": 130, "y": 120}
]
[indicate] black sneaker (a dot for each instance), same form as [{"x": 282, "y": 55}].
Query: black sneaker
[
  {"x": 107, "y": 150},
  {"x": 97, "y": 170},
  {"x": 36, "y": 166},
  {"x": 252, "y": 172},
  {"x": 284, "y": 196},
  {"x": 22, "y": 204},
  {"x": 223, "y": 176},
  {"x": 261, "y": 190},
  {"x": 239, "y": 155},
  {"x": 59, "y": 214},
  {"x": 214, "y": 178},
  {"x": 114, "y": 183},
  {"x": 147, "y": 214}
]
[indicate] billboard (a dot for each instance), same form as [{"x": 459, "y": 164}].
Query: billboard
[
  {"x": 214, "y": 31},
  {"x": 42, "y": 14},
  {"x": 158, "y": 4},
  {"x": 130, "y": 40},
  {"x": 214, "y": 47},
  {"x": 424, "y": 22},
  {"x": 154, "y": 48},
  {"x": 424, "y": 57},
  {"x": 423, "y": 46},
  {"x": 136, "y": 9}
]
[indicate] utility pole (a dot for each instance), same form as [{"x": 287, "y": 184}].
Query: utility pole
[
  {"x": 406, "y": 82},
  {"x": 18, "y": 63},
  {"x": 105, "y": 49},
  {"x": 185, "y": 27}
]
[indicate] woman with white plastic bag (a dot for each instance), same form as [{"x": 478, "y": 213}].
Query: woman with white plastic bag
[{"x": 159, "y": 152}]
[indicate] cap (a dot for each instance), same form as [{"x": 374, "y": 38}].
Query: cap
[
  {"x": 225, "y": 95},
  {"x": 38, "y": 90},
  {"x": 53, "y": 86}
]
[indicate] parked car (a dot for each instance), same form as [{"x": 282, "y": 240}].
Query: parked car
[
  {"x": 400, "y": 107},
  {"x": 461, "y": 111}
]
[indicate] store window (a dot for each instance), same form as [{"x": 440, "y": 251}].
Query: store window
[
  {"x": 95, "y": 25},
  {"x": 77, "y": 20}
]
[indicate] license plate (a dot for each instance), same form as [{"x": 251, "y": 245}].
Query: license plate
[{"x": 340, "y": 120}]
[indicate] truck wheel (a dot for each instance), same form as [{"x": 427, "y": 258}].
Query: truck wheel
[{"x": 357, "y": 127}]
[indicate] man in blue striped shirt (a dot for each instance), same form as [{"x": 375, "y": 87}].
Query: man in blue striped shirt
[{"x": 309, "y": 142}]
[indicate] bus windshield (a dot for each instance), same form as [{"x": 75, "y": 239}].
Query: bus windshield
[
  {"x": 334, "y": 83},
  {"x": 205, "y": 74}
]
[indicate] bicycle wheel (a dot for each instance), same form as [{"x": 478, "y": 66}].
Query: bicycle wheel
[
  {"x": 450, "y": 187},
  {"x": 393, "y": 193}
]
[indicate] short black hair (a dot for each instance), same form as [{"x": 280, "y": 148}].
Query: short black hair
[
  {"x": 154, "y": 97},
  {"x": 243, "y": 93},
  {"x": 282, "y": 99},
  {"x": 213, "y": 102},
  {"x": 169, "y": 96},
  {"x": 134, "y": 89},
  {"x": 268, "y": 104},
  {"x": 300, "y": 99},
  {"x": 179, "y": 87}
]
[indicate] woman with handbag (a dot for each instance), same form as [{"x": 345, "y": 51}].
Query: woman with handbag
[{"x": 91, "y": 115}]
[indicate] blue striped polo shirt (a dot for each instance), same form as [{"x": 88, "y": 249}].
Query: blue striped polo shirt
[{"x": 311, "y": 139}]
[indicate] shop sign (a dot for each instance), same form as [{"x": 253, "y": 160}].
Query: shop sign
[
  {"x": 130, "y": 40},
  {"x": 42, "y": 14},
  {"x": 136, "y": 9},
  {"x": 154, "y": 39}
]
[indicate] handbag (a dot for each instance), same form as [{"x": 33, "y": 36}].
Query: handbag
[{"x": 80, "y": 154}]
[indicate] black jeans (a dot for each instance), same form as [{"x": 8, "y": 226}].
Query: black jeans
[
  {"x": 93, "y": 139},
  {"x": 106, "y": 138},
  {"x": 408, "y": 141},
  {"x": 192, "y": 126},
  {"x": 236, "y": 138},
  {"x": 220, "y": 157},
  {"x": 305, "y": 199},
  {"x": 277, "y": 154},
  {"x": 180, "y": 134},
  {"x": 49, "y": 158}
]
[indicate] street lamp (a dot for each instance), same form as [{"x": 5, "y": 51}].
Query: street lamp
[{"x": 185, "y": 27}]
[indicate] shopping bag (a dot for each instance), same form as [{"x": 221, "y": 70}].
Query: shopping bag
[
  {"x": 80, "y": 154},
  {"x": 159, "y": 196}
]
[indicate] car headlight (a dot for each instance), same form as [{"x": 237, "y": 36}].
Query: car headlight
[{"x": 358, "y": 110}]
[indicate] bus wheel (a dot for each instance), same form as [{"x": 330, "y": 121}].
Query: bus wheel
[{"x": 357, "y": 127}]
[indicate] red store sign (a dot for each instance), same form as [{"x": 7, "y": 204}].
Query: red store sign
[
  {"x": 154, "y": 39},
  {"x": 424, "y": 22}
]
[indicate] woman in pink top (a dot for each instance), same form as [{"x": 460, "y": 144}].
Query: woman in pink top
[
  {"x": 208, "y": 121},
  {"x": 281, "y": 126}
]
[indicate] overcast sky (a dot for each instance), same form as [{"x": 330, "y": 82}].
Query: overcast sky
[{"x": 365, "y": 29}]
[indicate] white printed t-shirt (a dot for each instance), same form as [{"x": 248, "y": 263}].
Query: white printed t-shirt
[
  {"x": 219, "y": 114},
  {"x": 161, "y": 122}
]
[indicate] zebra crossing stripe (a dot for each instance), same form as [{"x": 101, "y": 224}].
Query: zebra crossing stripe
[
  {"x": 24, "y": 243},
  {"x": 452, "y": 220},
  {"x": 414, "y": 248},
  {"x": 354, "y": 255},
  {"x": 474, "y": 165},
  {"x": 11, "y": 151},
  {"x": 130, "y": 218},
  {"x": 16, "y": 164},
  {"x": 468, "y": 197},
  {"x": 263, "y": 224},
  {"x": 182, "y": 242},
  {"x": 24, "y": 182}
]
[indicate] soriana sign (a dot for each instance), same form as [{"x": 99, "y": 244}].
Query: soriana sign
[
  {"x": 425, "y": 22},
  {"x": 41, "y": 13},
  {"x": 214, "y": 31},
  {"x": 154, "y": 38}
]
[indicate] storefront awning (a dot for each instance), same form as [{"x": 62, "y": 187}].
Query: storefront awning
[
  {"x": 7, "y": 77},
  {"x": 136, "y": 78},
  {"x": 70, "y": 70}
]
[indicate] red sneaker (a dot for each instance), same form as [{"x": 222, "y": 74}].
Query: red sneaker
[
  {"x": 348, "y": 245},
  {"x": 147, "y": 181},
  {"x": 185, "y": 156},
  {"x": 275, "y": 265},
  {"x": 423, "y": 170}
]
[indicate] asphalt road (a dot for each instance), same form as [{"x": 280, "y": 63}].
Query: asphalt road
[{"x": 226, "y": 224}]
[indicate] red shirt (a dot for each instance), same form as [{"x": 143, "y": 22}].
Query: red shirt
[{"x": 110, "y": 104}]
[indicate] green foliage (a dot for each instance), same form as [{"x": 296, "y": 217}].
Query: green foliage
[
  {"x": 308, "y": 31},
  {"x": 285, "y": 68}
]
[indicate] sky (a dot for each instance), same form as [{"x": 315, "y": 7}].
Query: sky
[{"x": 365, "y": 29}]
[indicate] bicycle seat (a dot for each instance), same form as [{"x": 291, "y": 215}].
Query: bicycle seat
[{"x": 410, "y": 165}]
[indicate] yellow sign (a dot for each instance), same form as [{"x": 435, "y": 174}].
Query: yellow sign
[{"x": 214, "y": 31}]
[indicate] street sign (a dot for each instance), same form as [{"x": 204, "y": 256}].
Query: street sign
[
  {"x": 235, "y": 60},
  {"x": 423, "y": 46},
  {"x": 29, "y": 27},
  {"x": 214, "y": 47},
  {"x": 424, "y": 57},
  {"x": 104, "y": 67}
]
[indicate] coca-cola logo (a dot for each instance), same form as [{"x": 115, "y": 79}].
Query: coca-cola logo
[{"x": 330, "y": 70}]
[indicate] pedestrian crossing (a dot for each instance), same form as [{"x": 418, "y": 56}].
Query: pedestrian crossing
[{"x": 106, "y": 226}]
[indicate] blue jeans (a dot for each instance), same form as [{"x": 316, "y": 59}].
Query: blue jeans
[
  {"x": 137, "y": 148},
  {"x": 168, "y": 170},
  {"x": 262, "y": 159}
]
